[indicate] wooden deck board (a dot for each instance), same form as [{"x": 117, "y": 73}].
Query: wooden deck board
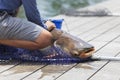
[
  {"x": 82, "y": 29},
  {"x": 8, "y": 65},
  {"x": 50, "y": 72},
  {"x": 102, "y": 32},
  {"x": 20, "y": 71},
  {"x": 106, "y": 76},
  {"x": 101, "y": 27},
  {"x": 110, "y": 71},
  {"x": 76, "y": 23}
]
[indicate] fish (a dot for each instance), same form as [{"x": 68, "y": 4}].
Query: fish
[{"x": 72, "y": 45}]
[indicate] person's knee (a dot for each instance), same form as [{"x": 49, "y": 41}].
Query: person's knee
[{"x": 44, "y": 39}]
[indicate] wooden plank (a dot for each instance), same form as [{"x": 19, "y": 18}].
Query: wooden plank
[
  {"x": 8, "y": 65},
  {"x": 111, "y": 70},
  {"x": 20, "y": 71},
  {"x": 110, "y": 34},
  {"x": 100, "y": 30},
  {"x": 49, "y": 72},
  {"x": 81, "y": 20},
  {"x": 89, "y": 26}
]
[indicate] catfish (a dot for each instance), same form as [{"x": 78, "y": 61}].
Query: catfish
[{"x": 72, "y": 45}]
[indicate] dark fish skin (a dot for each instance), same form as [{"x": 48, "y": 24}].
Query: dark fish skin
[{"x": 71, "y": 44}]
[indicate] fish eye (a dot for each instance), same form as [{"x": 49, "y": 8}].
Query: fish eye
[{"x": 75, "y": 53}]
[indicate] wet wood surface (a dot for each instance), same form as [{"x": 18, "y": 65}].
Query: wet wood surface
[{"x": 102, "y": 32}]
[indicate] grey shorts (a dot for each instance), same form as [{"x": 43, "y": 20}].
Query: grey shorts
[{"x": 18, "y": 29}]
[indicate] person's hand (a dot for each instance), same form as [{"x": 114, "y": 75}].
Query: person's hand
[{"x": 50, "y": 25}]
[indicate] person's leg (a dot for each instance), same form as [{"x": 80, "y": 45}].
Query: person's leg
[
  {"x": 23, "y": 34},
  {"x": 43, "y": 40}
]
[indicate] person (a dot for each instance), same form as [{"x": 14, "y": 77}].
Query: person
[{"x": 32, "y": 33}]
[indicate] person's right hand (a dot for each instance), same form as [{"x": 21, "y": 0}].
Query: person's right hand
[{"x": 50, "y": 25}]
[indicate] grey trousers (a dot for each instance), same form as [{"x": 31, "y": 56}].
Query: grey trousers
[{"x": 18, "y": 29}]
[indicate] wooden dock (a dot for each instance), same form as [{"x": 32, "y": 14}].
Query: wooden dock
[{"x": 102, "y": 32}]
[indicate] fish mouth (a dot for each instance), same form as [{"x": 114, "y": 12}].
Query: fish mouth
[
  {"x": 87, "y": 53},
  {"x": 87, "y": 50}
]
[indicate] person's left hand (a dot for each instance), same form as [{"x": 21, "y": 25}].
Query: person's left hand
[{"x": 50, "y": 25}]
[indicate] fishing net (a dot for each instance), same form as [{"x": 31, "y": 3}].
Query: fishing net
[{"x": 51, "y": 55}]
